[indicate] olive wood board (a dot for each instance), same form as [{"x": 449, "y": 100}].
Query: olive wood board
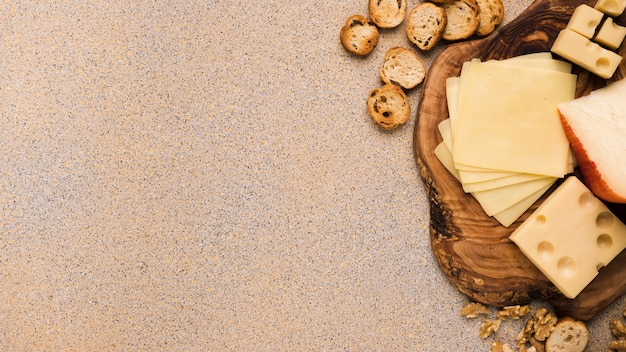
[{"x": 471, "y": 248}]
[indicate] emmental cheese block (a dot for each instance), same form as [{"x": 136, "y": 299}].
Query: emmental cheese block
[
  {"x": 585, "y": 20},
  {"x": 570, "y": 236},
  {"x": 585, "y": 53},
  {"x": 611, "y": 7},
  {"x": 611, "y": 34}
]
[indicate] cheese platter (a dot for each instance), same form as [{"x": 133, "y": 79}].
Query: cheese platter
[{"x": 473, "y": 249}]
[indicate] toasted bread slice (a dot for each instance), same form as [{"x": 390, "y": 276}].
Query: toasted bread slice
[
  {"x": 359, "y": 35},
  {"x": 425, "y": 25},
  {"x": 491, "y": 14},
  {"x": 388, "y": 106},
  {"x": 387, "y": 13},
  {"x": 569, "y": 335},
  {"x": 402, "y": 67},
  {"x": 462, "y": 19}
]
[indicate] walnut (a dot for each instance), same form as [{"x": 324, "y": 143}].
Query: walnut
[
  {"x": 536, "y": 330},
  {"x": 500, "y": 347},
  {"x": 544, "y": 323},
  {"x": 497, "y": 347},
  {"x": 536, "y": 345},
  {"x": 618, "y": 329},
  {"x": 473, "y": 309},
  {"x": 618, "y": 345},
  {"x": 513, "y": 312},
  {"x": 526, "y": 334},
  {"x": 488, "y": 327},
  {"x": 528, "y": 349},
  {"x": 507, "y": 348}
]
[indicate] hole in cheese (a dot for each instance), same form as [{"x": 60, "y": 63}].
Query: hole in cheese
[
  {"x": 545, "y": 249},
  {"x": 603, "y": 63},
  {"x": 604, "y": 219},
  {"x": 592, "y": 24},
  {"x": 566, "y": 266},
  {"x": 587, "y": 199},
  {"x": 604, "y": 241},
  {"x": 541, "y": 219}
]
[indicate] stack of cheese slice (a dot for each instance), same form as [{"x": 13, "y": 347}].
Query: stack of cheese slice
[{"x": 504, "y": 140}]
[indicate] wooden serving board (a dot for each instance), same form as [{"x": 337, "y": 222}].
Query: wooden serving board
[{"x": 472, "y": 249}]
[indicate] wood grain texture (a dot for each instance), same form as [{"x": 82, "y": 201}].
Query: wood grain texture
[{"x": 472, "y": 249}]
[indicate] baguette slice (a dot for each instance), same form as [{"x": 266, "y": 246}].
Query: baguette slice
[
  {"x": 359, "y": 35},
  {"x": 491, "y": 14},
  {"x": 388, "y": 106},
  {"x": 387, "y": 13},
  {"x": 569, "y": 335},
  {"x": 595, "y": 126},
  {"x": 463, "y": 20},
  {"x": 402, "y": 67},
  {"x": 425, "y": 25}
]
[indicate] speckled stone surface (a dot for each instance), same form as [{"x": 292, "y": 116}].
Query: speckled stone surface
[{"x": 203, "y": 176}]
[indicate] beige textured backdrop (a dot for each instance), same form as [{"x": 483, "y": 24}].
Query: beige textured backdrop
[{"x": 203, "y": 176}]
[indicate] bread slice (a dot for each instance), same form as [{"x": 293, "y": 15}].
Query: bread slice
[
  {"x": 402, "y": 67},
  {"x": 388, "y": 106},
  {"x": 491, "y": 14},
  {"x": 569, "y": 335},
  {"x": 425, "y": 25},
  {"x": 387, "y": 13},
  {"x": 359, "y": 35},
  {"x": 462, "y": 19},
  {"x": 595, "y": 126}
]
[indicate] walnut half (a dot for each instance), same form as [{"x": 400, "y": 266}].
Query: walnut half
[
  {"x": 488, "y": 327},
  {"x": 513, "y": 312},
  {"x": 544, "y": 324},
  {"x": 618, "y": 329},
  {"x": 473, "y": 309},
  {"x": 500, "y": 347},
  {"x": 618, "y": 345},
  {"x": 537, "y": 330}
]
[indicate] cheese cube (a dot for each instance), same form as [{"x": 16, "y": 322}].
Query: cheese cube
[
  {"x": 585, "y": 53},
  {"x": 611, "y": 34},
  {"x": 611, "y": 7},
  {"x": 570, "y": 236},
  {"x": 585, "y": 20}
]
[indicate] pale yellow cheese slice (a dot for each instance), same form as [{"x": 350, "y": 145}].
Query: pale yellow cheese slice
[
  {"x": 503, "y": 194},
  {"x": 445, "y": 130},
  {"x": 483, "y": 175},
  {"x": 505, "y": 217},
  {"x": 496, "y": 200},
  {"x": 512, "y": 213},
  {"x": 540, "y": 61},
  {"x": 445, "y": 157},
  {"x": 517, "y": 128},
  {"x": 538, "y": 64},
  {"x": 499, "y": 199},
  {"x": 499, "y": 182},
  {"x": 472, "y": 174},
  {"x": 540, "y": 55},
  {"x": 452, "y": 93}
]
